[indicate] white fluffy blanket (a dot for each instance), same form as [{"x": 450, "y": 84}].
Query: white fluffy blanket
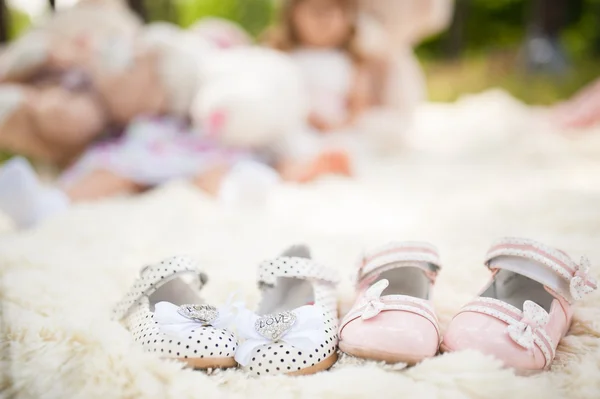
[{"x": 470, "y": 172}]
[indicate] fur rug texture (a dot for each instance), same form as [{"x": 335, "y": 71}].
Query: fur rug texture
[{"x": 469, "y": 172}]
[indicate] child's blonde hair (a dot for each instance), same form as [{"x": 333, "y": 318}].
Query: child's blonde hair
[{"x": 284, "y": 37}]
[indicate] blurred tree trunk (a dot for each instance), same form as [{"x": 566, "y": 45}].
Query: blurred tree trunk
[
  {"x": 454, "y": 42},
  {"x": 52, "y": 4},
  {"x": 4, "y": 22},
  {"x": 138, "y": 7},
  {"x": 596, "y": 41},
  {"x": 543, "y": 49},
  {"x": 553, "y": 16},
  {"x": 170, "y": 12}
]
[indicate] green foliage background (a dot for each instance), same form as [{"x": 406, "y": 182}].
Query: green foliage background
[
  {"x": 501, "y": 24},
  {"x": 253, "y": 15},
  {"x": 492, "y": 34},
  {"x": 490, "y": 25}
]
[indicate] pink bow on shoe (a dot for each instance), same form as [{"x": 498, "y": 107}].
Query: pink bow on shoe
[
  {"x": 582, "y": 283},
  {"x": 372, "y": 299},
  {"x": 534, "y": 318}
]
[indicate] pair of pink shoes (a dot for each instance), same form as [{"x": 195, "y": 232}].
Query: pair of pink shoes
[{"x": 519, "y": 317}]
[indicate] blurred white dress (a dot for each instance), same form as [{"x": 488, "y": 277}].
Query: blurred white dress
[
  {"x": 154, "y": 150},
  {"x": 328, "y": 75}
]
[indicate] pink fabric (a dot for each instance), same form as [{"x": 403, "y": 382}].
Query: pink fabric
[
  {"x": 582, "y": 110},
  {"x": 153, "y": 151}
]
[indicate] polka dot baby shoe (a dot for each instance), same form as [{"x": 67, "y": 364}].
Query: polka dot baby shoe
[
  {"x": 295, "y": 329},
  {"x": 164, "y": 313},
  {"x": 392, "y": 319},
  {"x": 526, "y": 308}
]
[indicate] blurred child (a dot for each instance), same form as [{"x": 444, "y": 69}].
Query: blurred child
[
  {"x": 152, "y": 151},
  {"x": 321, "y": 35}
]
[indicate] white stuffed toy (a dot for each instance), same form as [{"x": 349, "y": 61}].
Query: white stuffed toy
[{"x": 250, "y": 97}]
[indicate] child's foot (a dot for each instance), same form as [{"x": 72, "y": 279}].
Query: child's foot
[
  {"x": 328, "y": 162},
  {"x": 333, "y": 162},
  {"x": 22, "y": 197}
]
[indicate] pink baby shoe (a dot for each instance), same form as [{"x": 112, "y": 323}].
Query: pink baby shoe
[
  {"x": 526, "y": 308},
  {"x": 392, "y": 319}
]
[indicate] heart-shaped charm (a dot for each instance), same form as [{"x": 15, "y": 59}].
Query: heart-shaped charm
[
  {"x": 274, "y": 326},
  {"x": 204, "y": 314}
]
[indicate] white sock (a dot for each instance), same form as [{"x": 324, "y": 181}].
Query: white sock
[
  {"x": 248, "y": 184},
  {"x": 23, "y": 198}
]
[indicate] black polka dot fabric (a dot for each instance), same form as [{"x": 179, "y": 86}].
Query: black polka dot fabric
[
  {"x": 134, "y": 312},
  {"x": 279, "y": 357},
  {"x": 303, "y": 268},
  {"x": 152, "y": 277},
  {"x": 204, "y": 342}
]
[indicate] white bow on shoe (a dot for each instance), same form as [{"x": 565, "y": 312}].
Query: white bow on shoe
[
  {"x": 301, "y": 328},
  {"x": 534, "y": 317},
  {"x": 374, "y": 305}
]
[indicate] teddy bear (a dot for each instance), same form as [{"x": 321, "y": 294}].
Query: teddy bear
[
  {"x": 48, "y": 107},
  {"x": 96, "y": 71},
  {"x": 63, "y": 39}
]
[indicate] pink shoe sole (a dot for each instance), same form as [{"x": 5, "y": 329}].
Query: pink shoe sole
[{"x": 380, "y": 356}]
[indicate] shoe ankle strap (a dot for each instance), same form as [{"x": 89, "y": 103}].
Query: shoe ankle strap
[
  {"x": 553, "y": 268},
  {"x": 399, "y": 254},
  {"x": 297, "y": 267},
  {"x": 153, "y": 277}
]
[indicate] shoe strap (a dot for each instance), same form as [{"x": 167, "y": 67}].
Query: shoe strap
[
  {"x": 398, "y": 254},
  {"x": 297, "y": 267},
  {"x": 154, "y": 276},
  {"x": 552, "y": 268},
  {"x": 516, "y": 319}
]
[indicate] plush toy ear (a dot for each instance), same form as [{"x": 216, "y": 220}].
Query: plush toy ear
[{"x": 215, "y": 122}]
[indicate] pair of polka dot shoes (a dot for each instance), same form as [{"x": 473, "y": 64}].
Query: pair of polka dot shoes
[{"x": 293, "y": 332}]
